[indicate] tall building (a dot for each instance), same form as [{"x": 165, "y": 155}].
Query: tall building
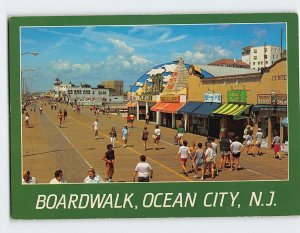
[
  {"x": 261, "y": 56},
  {"x": 116, "y": 86}
]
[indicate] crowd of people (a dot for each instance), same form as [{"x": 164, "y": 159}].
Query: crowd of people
[{"x": 202, "y": 155}]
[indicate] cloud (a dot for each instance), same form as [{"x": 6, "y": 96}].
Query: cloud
[
  {"x": 60, "y": 65},
  {"x": 82, "y": 67},
  {"x": 135, "y": 59},
  {"x": 121, "y": 45},
  {"x": 60, "y": 43},
  {"x": 260, "y": 33},
  {"x": 203, "y": 53}
]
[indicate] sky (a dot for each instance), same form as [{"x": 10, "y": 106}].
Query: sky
[{"x": 91, "y": 54}]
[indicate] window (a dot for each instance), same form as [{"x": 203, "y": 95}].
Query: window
[
  {"x": 266, "y": 56},
  {"x": 253, "y": 63},
  {"x": 266, "y": 62},
  {"x": 266, "y": 49},
  {"x": 255, "y": 57},
  {"x": 93, "y": 92},
  {"x": 255, "y": 50}
]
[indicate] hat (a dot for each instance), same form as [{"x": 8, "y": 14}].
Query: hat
[{"x": 259, "y": 129}]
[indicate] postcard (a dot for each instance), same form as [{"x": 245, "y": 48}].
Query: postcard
[{"x": 154, "y": 116}]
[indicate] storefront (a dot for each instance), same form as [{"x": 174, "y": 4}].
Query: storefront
[
  {"x": 167, "y": 110},
  {"x": 235, "y": 114},
  {"x": 145, "y": 103},
  {"x": 268, "y": 113},
  {"x": 187, "y": 110}
]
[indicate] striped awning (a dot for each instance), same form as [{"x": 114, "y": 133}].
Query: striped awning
[{"x": 232, "y": 109}]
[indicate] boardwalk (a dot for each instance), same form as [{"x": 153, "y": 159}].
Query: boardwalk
[{"x": 72, "y": 148}]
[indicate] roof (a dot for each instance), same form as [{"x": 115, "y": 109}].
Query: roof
[
  {"x": 219, "y": 71},
  {"x": 248, "y": 47},
  {"x": 229, "y": 61}
]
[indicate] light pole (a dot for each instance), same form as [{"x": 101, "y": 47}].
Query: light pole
[
  {"x": 32, "y": 53},
  {"x": 22, "y": 71},
  {"x": 23, "y": 79}
]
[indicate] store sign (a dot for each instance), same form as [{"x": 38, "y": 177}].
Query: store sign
[
  {"x": 146, "y": 97},
  {"x": 237, "y": 96},
  {"x": 279, "y": 77},
  {"x": 212, "y": 97},
  {"x": 170, "y": 98},
  {"x": 278, "y": 99}
]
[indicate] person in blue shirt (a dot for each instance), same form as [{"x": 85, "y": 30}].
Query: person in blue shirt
[{"x": 125, "y": 133}]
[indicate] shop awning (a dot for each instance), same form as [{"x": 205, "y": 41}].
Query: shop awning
[
  {"x": 232, "y": 109},
  {"x": 167, "y": 107},
  {"x": 131, "y": 105},
  {"x": 190, "y": 107},
  {"x": 158, "y": 106},
  {"x": 206, "y": 108},
  {"x": 266, "y": 107}
]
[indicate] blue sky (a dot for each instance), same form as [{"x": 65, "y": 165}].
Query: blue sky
[{"x": 90, "y": 54}]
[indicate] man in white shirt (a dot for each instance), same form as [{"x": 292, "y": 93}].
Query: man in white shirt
[
  {"x": 143, "y": 170},
  {"x": 236, "y": 148},
  {"x": 92, "y": 177},
  {"x": 27, "y": 178},
  {"x": 96, "y": 128},
  {"x": 183, "y": 152},
  {"x": 58, "y": 178}
]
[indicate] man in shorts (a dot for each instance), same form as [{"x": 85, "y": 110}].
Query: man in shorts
[
  {"x": 259, "y": 137},
  {"x": 236, "y": 149},
  {"x": 125, "y": 133},
  {"x": 143, "y": 171},
  {"x": 109, "y": 158},
  {"x": 96, "y": 128},
  {"x": 225, "y": 151},
  {"x": 184, "y": 153}
]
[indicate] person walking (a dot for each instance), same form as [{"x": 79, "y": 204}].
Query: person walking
[
  {"x": 59, "y": 117},
  {"x": 236, "y": 149},
  {"x": 125, "y": 134},
  {"x": 147, "y": 119},
  {"x": 180, "y": 131},
  {"x": 225, "y": 151},
  {"x": 210, "y": 158},
  {"x": 276, "y": 144},
  {"x": 143, "y": 170},
  {"x": 109, "y": 158},
  {"x": 26, "y": 120},
  {"x": 156, "y": 136},
  {"x": 65, "y": 114},
  {"x": 145, "y": 134},
  {"x": 184, "y": 153},
  {"x": 113, "y": 136},
  {"x": 95, "y": 127},
  {"x": 258, "y": 140},
  {"x": 249, "y": 143}
]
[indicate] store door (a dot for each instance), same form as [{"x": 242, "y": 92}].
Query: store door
[{"x": 214, "y": 127}]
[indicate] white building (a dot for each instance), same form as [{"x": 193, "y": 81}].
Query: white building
[
  {"x": 85, "y": 93},
  {"x": 261, "y": 56}
]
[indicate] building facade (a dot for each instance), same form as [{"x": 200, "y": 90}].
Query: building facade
[
  {"x": 261, "y": 56},
  {"x": 257, "y": 99},
  {"x": 116, "y": 86}
]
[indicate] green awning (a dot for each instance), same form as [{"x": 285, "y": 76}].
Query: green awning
[{"x": 232, "y": 109}]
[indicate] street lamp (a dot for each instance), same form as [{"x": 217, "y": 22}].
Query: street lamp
[
  {"x": 22, "y": 71},
  {"x": 23, "y": 79}
]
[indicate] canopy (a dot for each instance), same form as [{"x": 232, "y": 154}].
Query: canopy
[
  {"x": 268, "y": 107},
  {"x": 206, "y": 109},
  {"x": 131, "y": 105},
  {"x": 232, "y": 109},
  {"x": 167, "y": 107},
  {"x": 190, "y": 107}
]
